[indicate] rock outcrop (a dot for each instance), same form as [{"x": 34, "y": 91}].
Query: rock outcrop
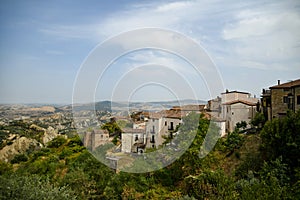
[
  {"x": 20, "y": 145},
  {"x": 49, "y": 134}
]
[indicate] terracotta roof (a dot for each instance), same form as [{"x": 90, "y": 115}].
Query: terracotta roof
[
  {"x": 287, "y": 85},
  {"x": 167, "y": 114},
  {"x": 155, "y": 115},
  {"x": 139, "y": 122},
  {"x": 172, "y": 114},
  {"x": 240, "y": 101},
  {"x": 193, "y": 107}
]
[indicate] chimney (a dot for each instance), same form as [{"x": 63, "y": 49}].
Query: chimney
[{"x": 278, "y": 81}]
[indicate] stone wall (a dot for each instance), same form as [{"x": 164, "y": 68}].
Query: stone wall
[
  {"x": 297, "y": 93},
  {"x": 277, "y": 104}
]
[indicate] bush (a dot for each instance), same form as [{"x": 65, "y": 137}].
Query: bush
[
  {"x": 31, "y": 188},
  {"x": 57, "y": 142},
  {"x": 259, "y": 120},
  {"x": 241, "y": 124},
  {"x": 19, "y": 158},
  {"x": 234, "y": 141}
]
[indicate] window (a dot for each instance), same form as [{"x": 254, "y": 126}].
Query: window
[
  {"x": 165, "y": 123},
  {"x": 285, "y": 99},
  {"x": 298, "y": 100},
  {"x": 153, "y": 129},
  {"x": 136, "y": 137},
  {"x": 152, "y": 139}
]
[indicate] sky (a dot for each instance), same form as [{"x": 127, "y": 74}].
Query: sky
[{"x": 45, "y": 44}]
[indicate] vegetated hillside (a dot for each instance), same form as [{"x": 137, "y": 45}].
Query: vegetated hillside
[{"x": 257, "y": 166}]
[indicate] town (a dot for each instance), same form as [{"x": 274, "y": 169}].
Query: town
[
  {"x": 143, "y": 130},
  {"x": 148, "y": 130},
  {"x": 46, "y": 141}
]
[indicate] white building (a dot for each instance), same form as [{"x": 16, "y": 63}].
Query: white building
[
  {"x": 133, "y": 140},
  {"x": 237, "y": 107},
  {"x": 160, "y": 125}
]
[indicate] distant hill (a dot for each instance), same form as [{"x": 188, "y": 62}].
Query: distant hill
[{"x": 121, "y": 106}]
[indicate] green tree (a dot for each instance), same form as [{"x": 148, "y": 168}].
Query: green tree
[
  {"x": 242, "y": 124},
  {"x": 112, "y": 127},
  {"x": 281, "y": 137},
  {"x": 259, "y": 120}
]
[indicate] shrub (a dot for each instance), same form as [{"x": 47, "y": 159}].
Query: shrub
[
  {"x": 57, "y": 142},
  {"x": 19, "y": 158},
  {"x": 32, "y": 187}
]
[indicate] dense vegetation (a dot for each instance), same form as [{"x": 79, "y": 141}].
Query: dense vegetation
[{"x": 264, "y": 165}]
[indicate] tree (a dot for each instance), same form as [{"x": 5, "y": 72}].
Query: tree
[
  {"x": 112, "y": 127},
  {"x": 281, "y": 137},
  {"x": 259, "y": 120},
  {"x": 242, "y": 124}
]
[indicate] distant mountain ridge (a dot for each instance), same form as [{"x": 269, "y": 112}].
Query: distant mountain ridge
[
  {"x": 106, "y": 105},
  {"x": 152, "y": 105}
]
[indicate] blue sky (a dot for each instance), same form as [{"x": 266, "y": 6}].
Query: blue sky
[{"x": 44, "y": 43}]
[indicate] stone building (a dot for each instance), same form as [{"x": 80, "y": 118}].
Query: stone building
[
  {"x": 95, "y": 138},
  {"x": 160, "y": 125},
  {"x": 133, "y": 140},
  {"x": 237, "y": 111},
  {"x": 214, "y": 107},
  {"x": 236, "y": 107},
  {"x": 280, "y": 98}
]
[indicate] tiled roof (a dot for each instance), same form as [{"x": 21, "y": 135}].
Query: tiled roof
[
  {"x": 287, "y": 85},
  {"x": 240, "y": 101},
  {"x": 193, "y": 107},
  {"x": 167, "y": 114}
]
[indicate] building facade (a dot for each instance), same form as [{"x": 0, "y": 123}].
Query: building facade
[
  {"x": 236, "y": 107},
  {"x": 133, "y": 140},
  {"x": 95, "y": 138},
  {"x": 237, "y": 111},
  {"x": 159, "y": 127},
  {"x": 280, "y": 98}
]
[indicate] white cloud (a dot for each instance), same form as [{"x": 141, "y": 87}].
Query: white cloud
[
  {"x": 264, "y": 38},
  {"x": 252, "y": 24},
  {"x": 79, "y": 31},
  {"x": 164, "y": 59},
  {"x": 174, "y": 6},
  {"x": 246, "y": 34}
]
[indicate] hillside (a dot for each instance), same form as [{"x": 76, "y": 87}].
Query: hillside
[{"x": 240, "y": 167}]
